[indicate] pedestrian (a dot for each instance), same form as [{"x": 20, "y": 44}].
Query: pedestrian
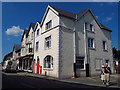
[
  {"x": 103, "y": 74},
  {"x": 107, "y": 74}
]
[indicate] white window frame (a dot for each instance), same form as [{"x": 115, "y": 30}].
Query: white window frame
[
  {"x": 92, "y": 28},
  {"x": 38, "y": 32},
  {"x": 91, "y": 42},
  {"x": 51, "y": 62},
  {"x": 87, "y": 27},
  {"x": 27, "y": 48},
  {"x": 105, "y": 48},
  {"x": 49, "y": 40},
  {"x": 21, "y": 51},
  {"x": 48, "y": 23},
  {"x": 37, "y": 48}
]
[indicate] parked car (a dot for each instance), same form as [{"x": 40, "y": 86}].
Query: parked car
[{"x": 10, "y": 66}]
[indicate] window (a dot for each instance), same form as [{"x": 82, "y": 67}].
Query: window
[
  {"x": 27, "y": 47},
  {"x": 91, "y": 43},
  {"x": 48, "y": 62},
  {"x": 37, "y": 46},
  {"x": 21, "y": 51},
  {"x": 32, "y": 36},
  {"x": 38, "y": 32},
  {"x": 86, "y": 26},
  {"x": 48, "y": 42},
  {"x": 106, "y": 61},
  {"x": 80, "y": 63},
  {"x": 48, "y": 25},
  {"x": 91, "y": 27},
  {"x": 104, "y": 45},
  {"x": 98, "y": 64}
]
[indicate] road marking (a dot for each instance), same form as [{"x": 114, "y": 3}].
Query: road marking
[{"x": 92, "y": 79}]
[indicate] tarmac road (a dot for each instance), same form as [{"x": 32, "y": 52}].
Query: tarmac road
[{"x": 17, "y": 81}]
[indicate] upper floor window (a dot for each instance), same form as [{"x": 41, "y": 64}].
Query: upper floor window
[
  {"x": 37, "y": 43},
  {"x": 104, "y": 45},
  {"x": 31, "y": 35},
  {"x": 91, "y": 43},
  {"x": 91, "y": 28},
  {"x": 47, "y": 42},
  {"x": 38, "y": 32},
  {"x": 48, "y": 25},
  {"x": 86, "y": 26},
  {"x": 27, "y": 47},
  {"x": 21, "y": 51}
]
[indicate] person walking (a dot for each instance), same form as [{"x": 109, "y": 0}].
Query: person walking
[
  {"x": 103, "y": 74},
  {"x": 107, "y": 74}
]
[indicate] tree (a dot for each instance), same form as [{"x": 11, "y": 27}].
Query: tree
[{"x": 116, "y": 53}]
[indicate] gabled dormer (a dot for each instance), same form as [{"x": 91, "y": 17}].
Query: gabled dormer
[{"x": 37, "y": 29}]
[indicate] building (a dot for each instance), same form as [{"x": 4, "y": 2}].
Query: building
[
  {"x": 66, "y": 42},
  {"x": 16, "y": 51},
  {"x": 27, "y": 48}
]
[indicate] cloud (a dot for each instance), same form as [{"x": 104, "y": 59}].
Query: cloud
[
  {"x": 15, "y": 31},
  {"x": 107, "y": 19},
  {"x": 97, "y": 17}
]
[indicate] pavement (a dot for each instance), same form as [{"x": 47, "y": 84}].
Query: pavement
[{"x": 94, "y": 80}]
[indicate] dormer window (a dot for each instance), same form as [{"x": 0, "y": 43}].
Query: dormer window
[
  {"x": 38, "y": 32},
  {"x": 91, "y": 28},
  {"x": 48, "y": 25}
]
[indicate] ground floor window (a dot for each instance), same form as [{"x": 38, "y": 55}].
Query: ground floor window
[
  {"x": 80, "y": 63},
  {"x": 48, "y": 62},
  {"x": 98, "y": 64}
]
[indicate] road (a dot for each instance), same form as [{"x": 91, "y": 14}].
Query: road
[{"x": 18, "y": 81}]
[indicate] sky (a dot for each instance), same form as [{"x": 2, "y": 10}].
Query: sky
[{"x": 17, "y": 16}]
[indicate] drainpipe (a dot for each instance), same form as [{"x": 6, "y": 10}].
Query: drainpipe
[
  {"x": 74, "y": 39},
  {"x": 86, "y": 50}
]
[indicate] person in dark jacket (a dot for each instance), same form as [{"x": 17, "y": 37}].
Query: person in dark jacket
[{"x": 107, "y": 74}]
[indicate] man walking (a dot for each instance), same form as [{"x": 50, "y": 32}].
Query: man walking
[{"x": 107, "y": 74}]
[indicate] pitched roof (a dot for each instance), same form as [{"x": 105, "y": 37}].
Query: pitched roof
[
  {"x": 76, "y": 16},
  {"x": 39, "y": 22},
  {"x": 72, "y": 15},
  {"x": 31, "y": 25},
  {"x": 16, "y": 47},
  {"x": 24, "y": 33},
  {"x": 105, "y": 28},
  {"x": 65, "y": 13}
]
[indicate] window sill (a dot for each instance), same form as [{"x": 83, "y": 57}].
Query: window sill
[
  {"x": 105, "y": 50},
  {"x": 81, "y": 69},
  {"x": 90, "y": 31},
  {"x": 47, "y": 48},
  {"x": 92, "y": 48},
  {"x": 48, "y": 69}
]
